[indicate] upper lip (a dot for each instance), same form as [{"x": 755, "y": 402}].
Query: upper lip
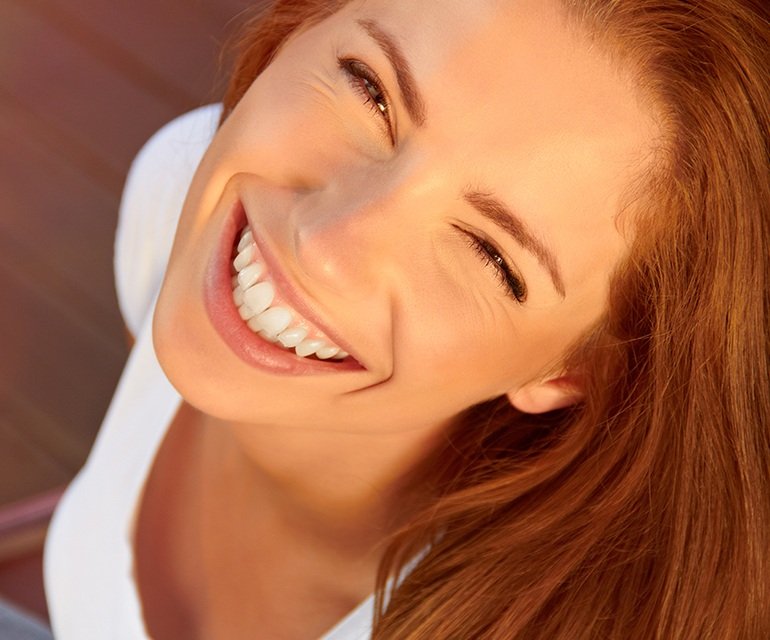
[{"x": 289, "y": 290}]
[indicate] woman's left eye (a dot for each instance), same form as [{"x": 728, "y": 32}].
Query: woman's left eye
[
  {"x": 511, "y": 282},
  {"x": 368, "y": 85}
]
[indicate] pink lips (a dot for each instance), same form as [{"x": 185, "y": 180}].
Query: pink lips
[{"x": 248, "y": 346}]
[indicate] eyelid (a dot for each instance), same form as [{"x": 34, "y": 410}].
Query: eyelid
[
  {"x": 359, "y": 71},
  {"x": 478, "y": 240}
]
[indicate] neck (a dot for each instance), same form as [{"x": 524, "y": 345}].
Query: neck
[{"x": 339, "y": 489}]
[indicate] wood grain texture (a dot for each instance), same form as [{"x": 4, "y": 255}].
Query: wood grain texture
[{"x": 83, "y": 83}]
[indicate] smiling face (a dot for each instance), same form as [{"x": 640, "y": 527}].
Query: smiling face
[{"x": 432, "y": 187}]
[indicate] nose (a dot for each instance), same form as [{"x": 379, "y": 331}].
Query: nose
[{"x": 354, "y": 239}]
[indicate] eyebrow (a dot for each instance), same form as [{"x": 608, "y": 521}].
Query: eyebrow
[
  {"x": 410, "y": 94},
  {"x": 500, "y": 214}
]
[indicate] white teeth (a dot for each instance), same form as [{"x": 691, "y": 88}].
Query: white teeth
[
  {"x": 292, "y": 337},
  {"x": 253, "y": 300},
  {"x": 238, "y": 295},
  {"x": 254, "y": 326},
  {"x": 259, "y": 297},
  {"x": 249, "y": 275},
  {"x": 324, "y": 353},
  {"x": 243, "y": 259},
  {"x": 266, "y": 336},
  {"x": 273, "y": 321},
  {"x": 309, "y": 347},
  {"x": 246, "y": 239},
  {"x": 246, "y": 312}
]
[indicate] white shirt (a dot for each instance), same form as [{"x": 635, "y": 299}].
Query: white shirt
[{"x": 89, "y": 553}]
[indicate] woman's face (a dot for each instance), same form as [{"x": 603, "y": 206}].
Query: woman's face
[{"x": 431, "y": 186}]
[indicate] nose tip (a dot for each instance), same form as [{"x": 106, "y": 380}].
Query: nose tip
[{"x": 341, "y": 245}]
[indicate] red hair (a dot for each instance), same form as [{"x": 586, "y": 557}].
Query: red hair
[{"x": 644, "y": 512}]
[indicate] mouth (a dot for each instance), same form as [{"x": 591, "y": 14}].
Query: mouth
[
  {"x": 255, "y": 295},
  {"x": 259, "y": 314}
]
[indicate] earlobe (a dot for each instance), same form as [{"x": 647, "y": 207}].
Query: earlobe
[{"x": 547, "y": 395}]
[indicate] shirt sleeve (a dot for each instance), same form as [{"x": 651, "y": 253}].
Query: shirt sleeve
[{"x": 152, "y": 199}]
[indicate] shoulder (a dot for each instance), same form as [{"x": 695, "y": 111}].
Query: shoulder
[{"x": 152, "y": 199}]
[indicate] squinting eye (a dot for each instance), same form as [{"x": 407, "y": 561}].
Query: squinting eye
[
  {"x": 490, "y": 256},
  {"x": 369, "y": 86}
]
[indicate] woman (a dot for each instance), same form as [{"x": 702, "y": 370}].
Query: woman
[{"x": 468, "y": 306}]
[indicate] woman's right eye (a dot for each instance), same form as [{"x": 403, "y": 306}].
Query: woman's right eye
[{"x": 368, "y": 85}]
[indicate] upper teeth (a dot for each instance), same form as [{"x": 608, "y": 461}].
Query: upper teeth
[{"x": 253, "y": 294}]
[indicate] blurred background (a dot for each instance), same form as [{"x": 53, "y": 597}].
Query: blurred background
[{"x": 83, "y": 83}]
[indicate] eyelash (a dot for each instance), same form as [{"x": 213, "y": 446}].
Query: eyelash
[
  {"x": 490, "y": 255},
  {"x": 368, "y": 85}
]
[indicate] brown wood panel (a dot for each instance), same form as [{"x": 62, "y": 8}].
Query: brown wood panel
[
  {"x": 157, "y": 45},
  {"x": 21, "y": 581},
  {"x": 60, "y": 334},
  {"x": 228, "y": 12},
  {"x": 56, "y": 379},
  {"x": 56, "y": 221},
  {"x": 170, "y": 47},
  {"x": 83, "y": 83},
  {"x": 21, "y": 457},
  {"x": 24, "y": 523},
  {"x": 74, "y": 89}
]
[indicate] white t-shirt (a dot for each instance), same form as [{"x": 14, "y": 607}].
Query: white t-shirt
[{"x": 89, "y": 560}]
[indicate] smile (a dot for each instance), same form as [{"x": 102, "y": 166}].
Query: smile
[
  {"x": 254, "y": 294},
  {"x": 259, "y": 314}
]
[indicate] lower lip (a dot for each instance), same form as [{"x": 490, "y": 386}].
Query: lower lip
[{"x": 242, "y": 341}]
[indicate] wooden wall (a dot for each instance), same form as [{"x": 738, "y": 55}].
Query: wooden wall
[{"x": 83, "y": 83}]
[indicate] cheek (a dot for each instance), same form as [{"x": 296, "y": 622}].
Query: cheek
[
  {"x": 287, "y": 133},
  {"x": 458, "y": 343},
  {"x": 478, "y": 350}
]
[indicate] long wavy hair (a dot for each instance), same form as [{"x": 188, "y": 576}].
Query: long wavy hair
[{"x": 644, "y": 511}]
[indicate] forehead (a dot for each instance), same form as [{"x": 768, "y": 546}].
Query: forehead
[{"x": 521, "y": 55}]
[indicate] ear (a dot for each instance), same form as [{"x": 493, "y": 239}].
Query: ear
[{"x": 547, "y": 395}]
